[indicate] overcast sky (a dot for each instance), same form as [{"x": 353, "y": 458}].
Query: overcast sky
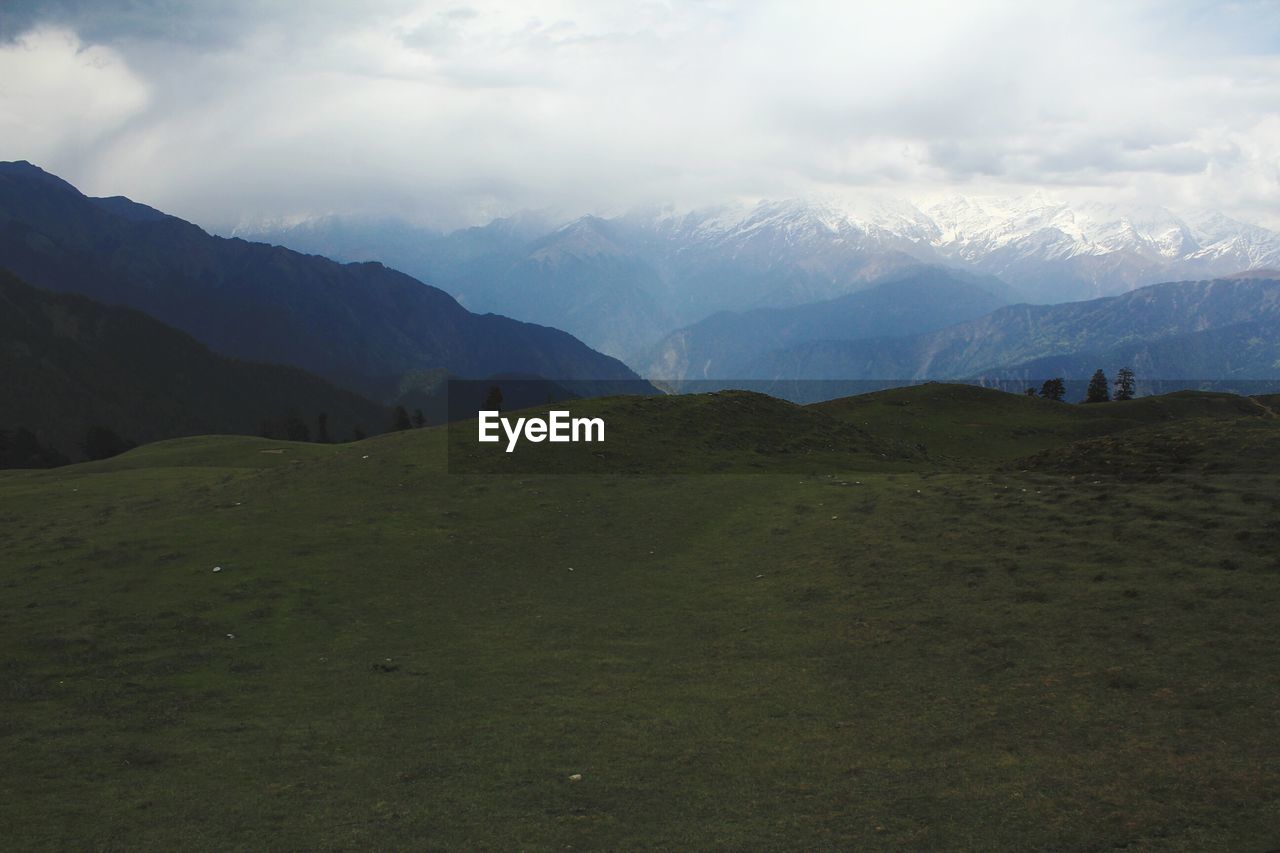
[{"x": 451, "y": 113}]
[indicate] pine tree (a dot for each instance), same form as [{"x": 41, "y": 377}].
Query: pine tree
[
  {"x": 419, "y": 419},
  {"x": 322, "y": 428},
  {"x": 1054, "y": 389},
  {"x": 1126, "y": 387},
  {"x": 400, "y": 420},
  {"x": 1098, "y": 389}
]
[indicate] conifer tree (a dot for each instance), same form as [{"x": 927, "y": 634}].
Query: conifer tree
[
  {"x": 419, "y": 419},
  {"x": 1098, "y": 388},
  {"x": 1054, "y": 389},
  {"x": 1126, "y": 387}
]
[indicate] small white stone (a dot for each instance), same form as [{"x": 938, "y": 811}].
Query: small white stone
[
  {"x": 217, "y": 568},
  {"x": 231, "y": 636},
  {"x": 576, "y": 777}
]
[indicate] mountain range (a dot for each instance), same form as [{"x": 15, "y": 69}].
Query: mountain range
[
  {"x": 624, "y": 283},
  {"x": 362, "y": 326},
  {"x": 1212, "y": 330},
  {"x": 860, "y": 305}
]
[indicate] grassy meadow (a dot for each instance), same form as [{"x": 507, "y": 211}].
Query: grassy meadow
[{"x": 935, "y": 618}]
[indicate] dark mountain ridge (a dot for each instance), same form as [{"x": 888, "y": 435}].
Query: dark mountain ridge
[
  {"x": 362, "y": 325},
  {"x": 70, "y": 363}
]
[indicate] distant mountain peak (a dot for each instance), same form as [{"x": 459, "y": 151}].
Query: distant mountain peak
[
  {"x": 585, "y": 237},
  {"x": 1053, "y": 249}
]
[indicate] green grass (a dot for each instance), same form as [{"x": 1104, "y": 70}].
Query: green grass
[
  {"x": 967, "y": 424},
  {"x": 1044, "y": 646}
]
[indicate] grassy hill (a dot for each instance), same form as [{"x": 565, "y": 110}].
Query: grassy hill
[
  {"x": 969, "y": 425},
  {"x": 1002, "y": 644}
]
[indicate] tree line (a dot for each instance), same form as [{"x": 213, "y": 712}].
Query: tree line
[{"x": 1099, "y": 390}]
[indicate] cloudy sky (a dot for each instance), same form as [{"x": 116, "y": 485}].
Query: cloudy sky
[{"x": 451, "y": 113}]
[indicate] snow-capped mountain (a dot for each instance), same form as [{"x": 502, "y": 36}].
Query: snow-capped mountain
[
  {"x": 622, "y": 283},
  {"x": 1055, "y": 251},
  {"x": 1050, "y": 250}
]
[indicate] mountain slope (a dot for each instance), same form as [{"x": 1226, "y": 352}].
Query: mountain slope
[
  {"x": 361, "y": 325},
  {"x": 783, "y": 253},
  {"x": 1242, "y": 350},
  {"x": 70, "y": 363},
  {"x": 579, "y": 278},
  {"x": 622, "y": 284},
  {"x": 775, "y": 254},
  {"x": 575, "y": 277},
  {"x": 725, "y": 345},
  {"x": 1018, "y": 334}
]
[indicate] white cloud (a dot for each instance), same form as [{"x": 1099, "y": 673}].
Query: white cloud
[
  {"x": 451, "y": 113},
  {"x": 60, "y": 99}
]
